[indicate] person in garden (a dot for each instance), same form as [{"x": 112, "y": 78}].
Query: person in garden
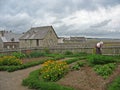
[{"x": 99, "y": 47}]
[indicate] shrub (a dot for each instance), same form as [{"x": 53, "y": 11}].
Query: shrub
[
  {"x": 78, "y": 65},
  {"x": 105, "y": 70},
  {"x": 46, "y": 50},
  {"x": 35, "y": 54},
  {"x": 56, "y": 56},
  {"x": 1, "y": 55},
  {"x": 10, "y": 60},
  {"x": 18, "y": 55},
  {"x": 53, "y": 70},
  {"x": 23, "y": 66},
  {"x": 68, "y": 53},
  {"x": 115, "y": 85},
  {"x": 34, "y": 82},
  {"x": 100, "y": 59}
]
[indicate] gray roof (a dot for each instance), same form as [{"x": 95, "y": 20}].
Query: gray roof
[
  {"x": 8, "y": 36},
  {"x": 37, "y": 32}
]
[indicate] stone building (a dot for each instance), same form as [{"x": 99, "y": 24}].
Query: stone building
[
  {"x": 39, "y": 37},
  {"x": 9, "y": 40},
  {"x": 74, "y": 39}
]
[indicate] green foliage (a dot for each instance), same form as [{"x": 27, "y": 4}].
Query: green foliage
[
  {"x": 80, "y": 54},
  {"x": 53, "y": 70},
  {"x": 115, "y": 85},
  {"x": 100, "y": 59},
  {"x": 23, "y": 66},
  {"x": 1, "y": 55},
  {"x": 9, "y": 60},
  {"x": 34, "y": 82},
  {"x": 78, "y": 65},
  {"x": 105, "y": 70},
  {"x": 35, "y": 54},
  {"x": 68, "y": 53},
  {"x": 18, "y": 55},
  {"x": 69, "y": 61},
  {"x": 55, "y": 56},
  {"x": 46, "y": 51}
]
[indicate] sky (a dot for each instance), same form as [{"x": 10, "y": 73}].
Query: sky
[{"x": 88, "y": 18}]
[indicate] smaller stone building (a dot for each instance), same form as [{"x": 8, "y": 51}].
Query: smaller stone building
[
  {"x": 74, "y": 39},
  {"x": 39, "y": 37},
  {"x": 9, "y": 40}
]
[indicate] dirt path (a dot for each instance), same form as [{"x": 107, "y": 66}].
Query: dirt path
[{"x": 13, "y": 80}]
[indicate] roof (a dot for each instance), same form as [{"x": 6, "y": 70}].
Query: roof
[
  {"x": 37, "y": 32},
  {"x": 9, "y": 36}
]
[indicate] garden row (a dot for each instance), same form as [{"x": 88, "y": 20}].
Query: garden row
[
  {"x": 45, "y": 77},
  {"x": 14, "y": 61}
]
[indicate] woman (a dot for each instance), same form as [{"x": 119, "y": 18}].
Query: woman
[{"x": 99, "y": 47}]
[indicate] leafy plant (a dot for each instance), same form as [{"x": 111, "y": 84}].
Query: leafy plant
[
  {"x": 68, "y": 53},
  {"x": 34, "y": 82},
  {"x": 105, "y": 70},
  {"x": 53, "y": 70},
  {"x": 18, "y": 55},
  {"x": 115, "y": 85},
  {"x": 100, "y": 59},
  {"x": 35, "y": 54},
  {"x": 78, "y": 65},
  {"x": 19, "y": 67},
  {"x": 10, "y": 60}
]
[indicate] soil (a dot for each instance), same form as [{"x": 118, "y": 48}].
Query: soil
[
  {"x": 83, "y": 79},
  {"x": 87, "y": 79}
]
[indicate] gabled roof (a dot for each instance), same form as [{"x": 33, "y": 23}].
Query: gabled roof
[
  {"x": 37, "y": 32},
  {"x": 9, "y": 36}
]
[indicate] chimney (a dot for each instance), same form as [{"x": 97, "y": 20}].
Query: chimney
[{"x": 2, "y": 33}]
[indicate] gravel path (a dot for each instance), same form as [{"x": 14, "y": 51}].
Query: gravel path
[{"x": 13, "y": 80}]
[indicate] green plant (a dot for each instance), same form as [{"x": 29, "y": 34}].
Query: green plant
[
  {"x": 46, "y": 50},
  {"x": 78, "y": 65},
  {"x": 55, "y": 56},
  {"x": 34, "y": 82},
  {"x": 105, "y": 70},
  {"x": 53, "y": 70},
  {"x": 115, "y": 85},
  {"x": 35, "y": 54},
  {"x": 100, "y": 59},
  {"x": 1, "y": 55},
  {"x": 68, "y": 53},
  {"x": 18, "y": 55},
  {"x": 23, "y": 66},
  {"x": 10, "y": 60}
]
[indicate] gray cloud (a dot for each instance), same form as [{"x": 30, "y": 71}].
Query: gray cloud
[
  {"x": 69, "y": 17},
  {"x": 101, "y": 24}
]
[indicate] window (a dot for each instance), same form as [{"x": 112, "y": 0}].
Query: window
[{"x": 37, "y": 42}]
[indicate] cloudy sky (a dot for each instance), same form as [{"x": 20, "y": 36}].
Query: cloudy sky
[{"x": 89, "y": 18}]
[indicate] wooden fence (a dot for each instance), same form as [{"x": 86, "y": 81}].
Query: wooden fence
[{"x": 105, "y": 50}]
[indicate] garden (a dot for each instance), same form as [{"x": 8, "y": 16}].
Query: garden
[{"x": 65, "y": 71}]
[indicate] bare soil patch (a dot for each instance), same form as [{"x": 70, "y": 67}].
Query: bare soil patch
[{"x": 87, "y": 79}]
